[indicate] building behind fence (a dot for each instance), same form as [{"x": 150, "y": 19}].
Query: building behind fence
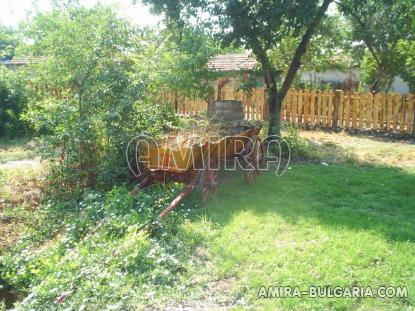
[{"x": 310, "y": 108}]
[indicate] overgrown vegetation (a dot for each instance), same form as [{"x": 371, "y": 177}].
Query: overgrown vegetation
[
  {"x": 72, "y": 250},
  {"x": 13, "y": 103},
  {"x": 9, "y": 40},
  {"x": 94, "y": 100}
]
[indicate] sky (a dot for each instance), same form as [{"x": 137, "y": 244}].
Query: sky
[{"x": 12, "y": 12}]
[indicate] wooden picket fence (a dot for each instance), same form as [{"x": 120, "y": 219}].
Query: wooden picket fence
[
  {"x": 311, "y": 108},
  {"x": 339, "y": 109}
]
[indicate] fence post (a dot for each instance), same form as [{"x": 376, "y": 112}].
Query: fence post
[
  {"x": 413, "y": 115},
  {"x": 336, "y": 109}
]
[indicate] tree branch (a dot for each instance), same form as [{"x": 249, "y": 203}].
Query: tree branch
[
  {"x": 366, "y": 38},
  {"x": 301, "y": 49}
]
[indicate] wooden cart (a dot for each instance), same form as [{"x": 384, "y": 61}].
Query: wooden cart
[{"x": 198, "y": 165}]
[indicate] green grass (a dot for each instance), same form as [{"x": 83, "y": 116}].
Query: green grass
[
  {"x": 317, "y": 225},
  {"x": 20, "y": 193},
  {"x": 341, "y": 148},
  {"x": 17, "y": 149}
]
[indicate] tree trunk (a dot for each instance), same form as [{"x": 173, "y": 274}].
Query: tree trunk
[
  {"x": 275, "y": 97},
  {"x": 274, "y": 127},
  {"x": 80, "y": 124}
]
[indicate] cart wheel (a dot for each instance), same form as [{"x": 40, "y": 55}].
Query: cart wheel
[
  {"x": 259, "y": 156},
  {"x": 255, "y": 159},
  {"x": 208, "y": 183}
]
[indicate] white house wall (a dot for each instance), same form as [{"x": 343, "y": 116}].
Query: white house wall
[
  {"x": 333, "y": 75},
  {"x": 400, "y": 86}
]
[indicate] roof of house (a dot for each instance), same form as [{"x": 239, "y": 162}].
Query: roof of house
[
  {"x": 232, "y": 62},
  {"x": 21, "y": 61}
]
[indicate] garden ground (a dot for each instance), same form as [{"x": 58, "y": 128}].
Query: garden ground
[{"x": 344, "y": 217}]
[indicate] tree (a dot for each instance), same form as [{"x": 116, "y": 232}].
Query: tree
[
  {"x": 177, "y": 61},
  {"x": 406, "y": 48},
  {"x": 8, "y": 42},
  {"x": 89, "y": 94},
  {"x": 255, "y": 25},
  {"x": 381, "y": 25},
  {"x": 13, "y": 103},
  {"x": 330, "y": 46}
]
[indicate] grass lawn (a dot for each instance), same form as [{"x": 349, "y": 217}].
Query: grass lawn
[
  {"x": 346, "y": 219},
  {"x": 316, "y": 225}
]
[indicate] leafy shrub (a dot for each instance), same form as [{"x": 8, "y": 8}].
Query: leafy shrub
[
  {"x": 13, "y": 102},
  {"x": 97, "y": 248},
  {"x": 291, "y": 134},
  {"x": 95, "y": 99}
]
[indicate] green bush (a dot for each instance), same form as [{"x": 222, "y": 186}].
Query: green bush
[
  {"x": 13, "y": 102},
  {"x": 95, "y": 97},
  {"x": 98, "y": 248}
]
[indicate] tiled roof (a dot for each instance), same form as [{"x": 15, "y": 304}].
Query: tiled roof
[{"x": 232, "y": 62}]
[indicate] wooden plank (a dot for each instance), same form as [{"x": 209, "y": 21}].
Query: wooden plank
[
  {"x": 306, "y": 106},
  {"x": 369, "y": 111},
  {"x": 382, "y": 105},
  {"x": 294, "y": 107},
  {"x": 389, "y": 112},
  {"x": 252, "y": 106},
  {"x": 288, "y": 106},
  {"x": 409, "y": 124},
  {"x": 318, "y": 108},
  {"x": 300, "y": 107},
  {"x": 348, "y": 108},
  {"x": 260, "y": 98},
  {"x": 403, "y": 113},
  {"x": 335, "y": 114},
  {"x": 245, "y": 104},
  {"x": 324, "y": 108},
  {"x": 376, "y": 109},
  {"x": 355, "y": 108},
  {"x": 313, "y": 107},
  {"x": 341, "y": 108},
  {"x": 259, "y": 103},
  {"x": 284, "y": 107},
  {"x": 330, "y": 95},
  {"x": 362, "y": 110},
  {"x": 395, "y": 111},
  {"x": 248, "y": 106},
  {"x": 252, "y": 102}
]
